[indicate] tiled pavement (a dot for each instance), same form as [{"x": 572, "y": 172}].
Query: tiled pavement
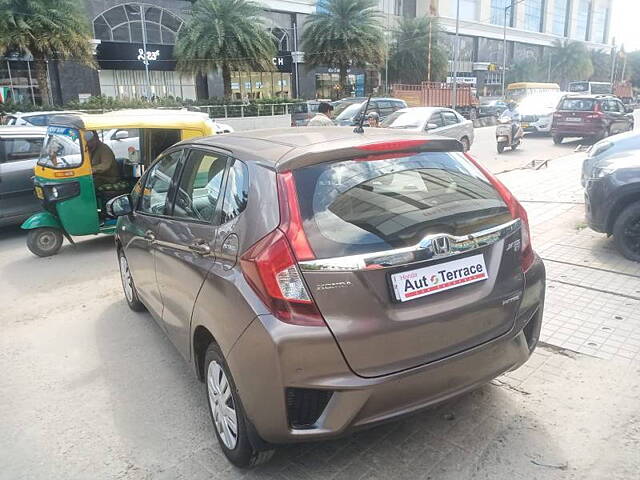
[{"x": 593, "y": 294}]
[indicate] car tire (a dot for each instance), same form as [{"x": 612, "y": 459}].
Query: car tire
[
  {"x": 466, "y": 145},
  {"x": 626, "y": 232},
  {"x": 222, "y": 395},
  {"x": 128, "y": 286},
  {"x": 501, "y": 147},
  {"x": 557, "y": 139},
  {"x": 44, "y": 241}
]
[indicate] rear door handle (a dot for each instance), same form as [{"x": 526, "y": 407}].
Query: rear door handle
[
  {"x": 149, "y": 235},
  {"x": 200, "y": 247}
]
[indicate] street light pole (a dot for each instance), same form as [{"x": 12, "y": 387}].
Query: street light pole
[
  {"x": 144, "y": 47},
  {"x": 456, "y": 55},
  {"x": 504, "y": 50}
]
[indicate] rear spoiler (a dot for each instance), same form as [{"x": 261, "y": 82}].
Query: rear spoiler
[{"x": 374, "y": 150}]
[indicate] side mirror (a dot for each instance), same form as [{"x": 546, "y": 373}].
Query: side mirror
[
  {"x": 120, "y": 206},
  {"x": 121, "y": 135},
  {"x": 628, "y": 109},
  {"x": 431, "y": 126}
]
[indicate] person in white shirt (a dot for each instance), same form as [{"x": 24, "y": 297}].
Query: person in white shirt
[
  {"x": 513, "y": 114},
  {"x": 323, "y": 117}
]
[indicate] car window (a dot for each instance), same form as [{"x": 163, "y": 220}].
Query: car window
[
  {"x": 200, "y": 186},
  {"x": 10, "y": 120},
  {"x": 450, "y": 118},
  {"x": 436, "y": 119},
  {"x": 398, "y": 105},
  {"x": 237, "y": 192},
  {"x": 158, "y": 182},
  {"x": 620, "y": 107},
  {"x": 577, "y": 104},
  {"x": 131, "y": 132},
  {"x": 38, "y": 120},
  {"x": 14, "y": 149}
]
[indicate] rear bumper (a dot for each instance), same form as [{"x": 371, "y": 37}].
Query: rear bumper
[
  {"x": 272, "y": 356},
  {"x": 578, "y": 130}
]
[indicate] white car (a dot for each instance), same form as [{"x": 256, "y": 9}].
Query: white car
[
  {"x": 433, "y": 120},
  {"x": 536, "y": 111},
  {"x": 34, "y": 119}
]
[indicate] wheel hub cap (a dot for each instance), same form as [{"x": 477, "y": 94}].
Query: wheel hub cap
[
  {"x": 222, "y": 406},
  {"x": 125, "y": 274}
]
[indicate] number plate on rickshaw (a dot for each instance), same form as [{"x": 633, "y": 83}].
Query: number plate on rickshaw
[
  {"x": 525, "y": 125},
  {"x": 39, "y": 192}
]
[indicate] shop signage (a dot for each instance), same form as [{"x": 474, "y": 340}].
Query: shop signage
[
  {"x": 133, "y": 56},
  {"x": 465, "y": 80},
  {"x": 283, "y": 62}
]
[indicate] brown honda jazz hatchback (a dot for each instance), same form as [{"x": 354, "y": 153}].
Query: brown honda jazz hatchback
[{"x": 320, "y": 281}]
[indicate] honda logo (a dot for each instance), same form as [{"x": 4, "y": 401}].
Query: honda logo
[{"x": 438, "y": 245}]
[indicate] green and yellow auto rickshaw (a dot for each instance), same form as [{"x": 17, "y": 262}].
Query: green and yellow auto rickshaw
[{"x": 64, "y": 179}]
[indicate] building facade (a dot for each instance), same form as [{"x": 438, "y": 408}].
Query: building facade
[{"x": 531, "y": 25}]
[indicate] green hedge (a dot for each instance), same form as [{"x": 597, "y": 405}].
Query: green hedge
[{"x": 216, "y": 110}]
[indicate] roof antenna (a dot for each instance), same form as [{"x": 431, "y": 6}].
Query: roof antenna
[{"x": 359, "y": 128}]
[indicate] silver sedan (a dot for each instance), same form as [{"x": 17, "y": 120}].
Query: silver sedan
[{"x": 433, "y": 120}]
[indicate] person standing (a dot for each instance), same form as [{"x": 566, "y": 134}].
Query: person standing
[{"x": 323, "y": 117}]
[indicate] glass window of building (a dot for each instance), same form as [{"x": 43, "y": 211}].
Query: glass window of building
[
  {"x": 468, "y": 9},
  {"x": 533, "y": 12},
  {"x": 582, "y": 24},
  {"x": 132, "y": 84},
  {"x": 599, "y": 25},
  {"x": 490, "y": 50},
  {"x": 256, "y": 85},
  {"x": 559, "y": 23},
  {"x": 123, "y": 23},
  {"x": 497, "y": 12}
]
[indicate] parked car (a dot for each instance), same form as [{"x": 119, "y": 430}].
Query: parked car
[
  {"x": 320, "y": 281},
  {"x": 599, "y": 152},
  {"x": 434, "y": 120},
  {"x": 536, "y": 111},
  {"x": 33, "y": 119},
  {"x": 492, "y": 108},
  {"x": 19, "y": 150},
  {"x": 612, "y": 201},
  {"x": 302, "y": 112},
  {"x": 594, "y": 116},
  {"x": 382, "y": 106}
]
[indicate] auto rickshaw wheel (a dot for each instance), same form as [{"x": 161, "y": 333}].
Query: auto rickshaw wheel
[{"x": 44, "y": 241}]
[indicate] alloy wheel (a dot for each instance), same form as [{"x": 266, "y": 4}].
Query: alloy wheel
[
  {"x": 632, "y": 234},
  {"x": 222, "y": 406},
  {"x": 125, "y": 274}
]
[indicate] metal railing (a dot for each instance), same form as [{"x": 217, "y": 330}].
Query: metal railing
[{"x": 223, "y": 111}]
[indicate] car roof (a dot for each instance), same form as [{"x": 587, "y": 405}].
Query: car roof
[
  {"x": 295, "y": 147},
  {"x": 51, "y": 112},
  {"x": 424, "y": 110},
  {"x": 22, "y": 130}
]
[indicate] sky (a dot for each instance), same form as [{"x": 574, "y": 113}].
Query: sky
[{"x": 624, "y": 23}]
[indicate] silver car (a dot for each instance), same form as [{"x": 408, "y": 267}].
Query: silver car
[
  {"x": 433, "y": 120},
  {"x": 19, "y": 150}
]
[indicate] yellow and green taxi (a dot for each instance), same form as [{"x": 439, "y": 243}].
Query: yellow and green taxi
[{"x": 64, "y": 178}]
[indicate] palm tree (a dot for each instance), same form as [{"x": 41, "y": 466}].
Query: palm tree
[
  {"x": 229, "y": 35},
  {"x": 571, "y": 62},
  {"x": 416, "y": 42},
  {"x": 45, "y": 29},
  {"x": 342, "y": 34}
]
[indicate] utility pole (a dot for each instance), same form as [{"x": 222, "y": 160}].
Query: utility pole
[
  {"x": 144, "y": 47},
  {"x": 613, "y": 61},
  {"x": 456, "y": 55},
  {"x": 386, "y": 56},
  {"x": 429, "y": 51},
  {"x": 504, "y": 49}
]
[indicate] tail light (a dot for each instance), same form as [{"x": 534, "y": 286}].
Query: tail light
[
  {"x": 597, "y": 113},
  {"x": 517, "y": 211},
  {"x": 271, "y": 264}
]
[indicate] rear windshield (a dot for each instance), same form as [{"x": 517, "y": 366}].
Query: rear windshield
[
  {"x": 577, "y": 104},
  {"x": 579, "y": 87},
  {"x": 356, "y": 207},
  {"x": 305, "y": 107}
]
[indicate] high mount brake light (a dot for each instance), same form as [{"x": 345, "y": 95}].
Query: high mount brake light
[
  {"x": 392, "y": 145},
  {"x": 517, "y": 211},
  {"x": 271, "y": 264}
]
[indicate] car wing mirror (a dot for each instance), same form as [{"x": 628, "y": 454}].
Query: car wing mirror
[
  {"x": 121, "y": 135},
  {"x": 628, "y": 109},
  {"x": 120, "y": 206},
  {"x": 432, "y": 126}
]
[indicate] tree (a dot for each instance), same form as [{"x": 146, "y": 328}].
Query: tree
[
  {"x": 570, "y": 62},
  {"x": 229, "y": 35},
  {"x": 528, "y": 69},
  {"x": 344, "y": 33},
  {"x": 601, "y": 61},
  {"x": 45, "y": 29},
  {"x": 415, "y": 42}
]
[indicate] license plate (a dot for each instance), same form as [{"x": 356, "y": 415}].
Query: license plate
[
  {"x": 425, "y": 281},
  {"x": 39, "y": 192},
  {"x": 525, "y": 125},
  {"x": 573, "y": 119}
]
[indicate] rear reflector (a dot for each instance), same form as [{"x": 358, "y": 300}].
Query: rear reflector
[{"x": 517, "y": 211}]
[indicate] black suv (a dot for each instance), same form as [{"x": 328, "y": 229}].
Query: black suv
[
  {"x": 612, "y": 201},
  {"x": 594, "y": 116}
]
